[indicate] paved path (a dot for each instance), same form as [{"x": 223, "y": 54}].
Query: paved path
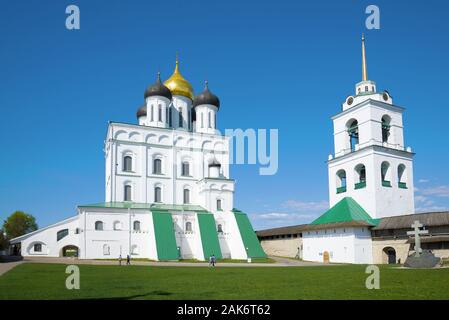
[
  {"x": 280, "y": 262},
  {"x": 6, "y": 266}
]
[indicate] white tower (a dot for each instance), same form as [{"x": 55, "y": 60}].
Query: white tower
[
  {"x": 371, "y": 163},
  {"x": 206, "y": 105}
]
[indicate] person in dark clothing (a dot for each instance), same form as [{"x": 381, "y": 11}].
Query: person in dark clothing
[
  {"x": 128, "y": 260},
  {"x": 120, "y": 260},
  {"x": 212, "y": 260}
]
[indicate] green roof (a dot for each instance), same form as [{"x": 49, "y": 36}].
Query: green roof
[
  {"x": 347, "y": 209},
  {"x": 144, "y": 206}
]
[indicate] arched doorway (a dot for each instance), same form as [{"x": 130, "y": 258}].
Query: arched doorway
[
  {"x": 325, "y": 257},
  {"x": 389, "y": 255},
  {"x": 70, "y": 251}
]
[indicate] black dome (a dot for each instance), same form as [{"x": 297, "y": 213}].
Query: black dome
[
  {"x": 142, "y": 111},
  {"x": 206, "y": 97},
  {"x": 158, "y": 89}
]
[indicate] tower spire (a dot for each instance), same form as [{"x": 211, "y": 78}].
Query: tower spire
[
  {"x": 177, "y": 63},
  {"x": 364, "y": 71}
]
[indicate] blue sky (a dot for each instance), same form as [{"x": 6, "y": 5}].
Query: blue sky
[{"x": 286, "y": 65}]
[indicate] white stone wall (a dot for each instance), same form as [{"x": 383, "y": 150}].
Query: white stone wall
[
  {"x": 344, "y": 245},
  {"x": 283, "y": 247}
]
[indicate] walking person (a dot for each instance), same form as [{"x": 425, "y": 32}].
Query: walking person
[
  {"x": 128, "y": 260},
  {"x": 212, "y": 260},
  {"x": 120, "y": 260}
]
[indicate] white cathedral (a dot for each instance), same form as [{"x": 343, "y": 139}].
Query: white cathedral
[{"x": 168, "y": 191}]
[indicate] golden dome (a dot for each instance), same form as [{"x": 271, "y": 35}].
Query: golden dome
[{"x": 178, "y": 85}]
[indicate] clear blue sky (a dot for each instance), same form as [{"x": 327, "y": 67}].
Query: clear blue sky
[{"x": 283, "y": 64}]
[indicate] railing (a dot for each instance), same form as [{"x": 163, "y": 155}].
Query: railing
[{"x": 360, "y": 185}]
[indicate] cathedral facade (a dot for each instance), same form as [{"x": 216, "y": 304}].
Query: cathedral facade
[{"x": 168, "y": 192}]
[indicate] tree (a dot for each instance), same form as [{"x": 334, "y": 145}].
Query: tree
[{"x": 19, "y": 223}]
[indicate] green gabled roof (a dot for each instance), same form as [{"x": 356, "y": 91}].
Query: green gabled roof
[
  {"x": 347, "y": 209},
  {"x": 145, "y": 206}
]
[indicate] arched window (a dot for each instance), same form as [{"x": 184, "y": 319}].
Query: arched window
[
  {"x": 151, "y": 117},
  {"x": 186, "y": 195},
  {"x": 159, "y": 109},
  {"x": 127, "y": 163},
  {"x": 99, "y": 225},
  {"x": 106, "y": 250},
  {"x": 402, "y": 177},
  {"x": 341, "y": 181},
  {"x": 360, "y": 173},
  {"x": 157, "y": 194},
  {"x": 202, "y": 120},
  {"x": 353, "y": 131},
  {"x": 210, "y": 119},
  {"x": 117, "y": 225},
  {"x": 385, "y": 174},
  {"x": 219, "y": 228},
  {"x": 136, "y": 225},
  {"x": 169, "y": 116},
  {"x": 385, "y": 128},
  {"x": 219, "y": 208},
  {"x": 215, "y": 120},
  {"x": 157, "y": 166},
  {"x": 62, "y": 234},
  {"x": 188, "y": 226},
  {"x": 185, "y": 169},
  {"x": 127, "y": 193}
]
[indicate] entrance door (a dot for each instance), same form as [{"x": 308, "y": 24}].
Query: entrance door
[
  {"x": 70, "y": 251},
  {"x": 325, "y": 257},
  {"x": 391, "y": 256}
]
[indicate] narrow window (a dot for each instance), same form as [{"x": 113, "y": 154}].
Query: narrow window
[
  {"x": 151, "y": 117},
  {"x": 157, "y": 194},
  {"x": 385, "y": 174},
  {"x": 188, "y": 226},
  {"x": 99, "y": 225},
  {"x": 159, "y": 108},
  {"x": 157, "y": 166},
  {"x": 215, "y": 120},
  {"x": 341, "y": 181},
  {"x": 385, "y": 128},
  {"x": 117, "y": 225},
  {"x": 106, "y": 250},
  {"x": 209, "y": 118},
  {"x": 202, "y": 120},
  {"x": 127, "y": 164},
  {"x": 181, "y": 120},
  {"x": 353, "y": 131},
  {"x": 169, "y": 116},
  {"x": 185, "y": 169},
  {"x": 402, "y": 179},
  {"x": 136, "y": 225},
  {"x": 186, "y": 196},
  {"x": 219, "y": 205},
  {"x": 127, "y": 193}
]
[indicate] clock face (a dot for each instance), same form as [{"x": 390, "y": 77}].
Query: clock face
[
  {"x": 350, "y": 100},
  {"x": 385, "y": 96}
]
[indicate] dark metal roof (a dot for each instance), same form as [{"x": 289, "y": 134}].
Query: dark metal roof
[
  {"x": 206, "y": 97},
  {"x": 158, "y": 89},
  {"x": 428, "y": 219},
  {"x": 281, "y": 231},
  {"x": 142, "y": 111},
  {"x": 430, "y": 239}
]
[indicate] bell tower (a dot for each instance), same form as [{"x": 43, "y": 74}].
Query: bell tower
[{"x": 371, "y": 163}]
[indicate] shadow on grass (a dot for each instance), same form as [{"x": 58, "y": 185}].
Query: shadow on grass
[{"x": 136, "y": 296}]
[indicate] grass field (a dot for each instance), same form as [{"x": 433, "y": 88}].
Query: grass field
[{"x": 47, "y": 281}]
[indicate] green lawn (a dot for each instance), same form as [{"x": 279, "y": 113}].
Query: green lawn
[{"x": 47, "y": 281}]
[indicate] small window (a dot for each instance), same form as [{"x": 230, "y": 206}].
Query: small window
[
  {"x": 135, "y": 249},
  {"x": 136, "y": 225},
  {"x": 385, "y": 128},
  {"x": 127, "y": 163},
  {"x": 151, "y": 117},
  {"x": 159, "y": 108},
  {"x": 219, "y": 228},
  {"x": 219, "y": 208},
  {"x": 117, "y": 225},
  {"x": 157, "y": 166},
  {"x": 185, "y": 169},
  {"x": 61, "y": 234},
  {"x": 188, "y": 226},
  {"x": 127, "y": 193},
  {"x": 215, "y": 120},
  {"x": 186, "y": 196},
  {"x": 106, "y": 250},
  {"x": 37, "y": 247},
  {"x": 210, "y": 120},
  {"x": 99, "y": 225},
  {"x": 202, "y": 120},
  {"x": 157, "y": 194}
]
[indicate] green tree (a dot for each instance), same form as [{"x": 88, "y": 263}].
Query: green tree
[{"x": 19, "y": 223}]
